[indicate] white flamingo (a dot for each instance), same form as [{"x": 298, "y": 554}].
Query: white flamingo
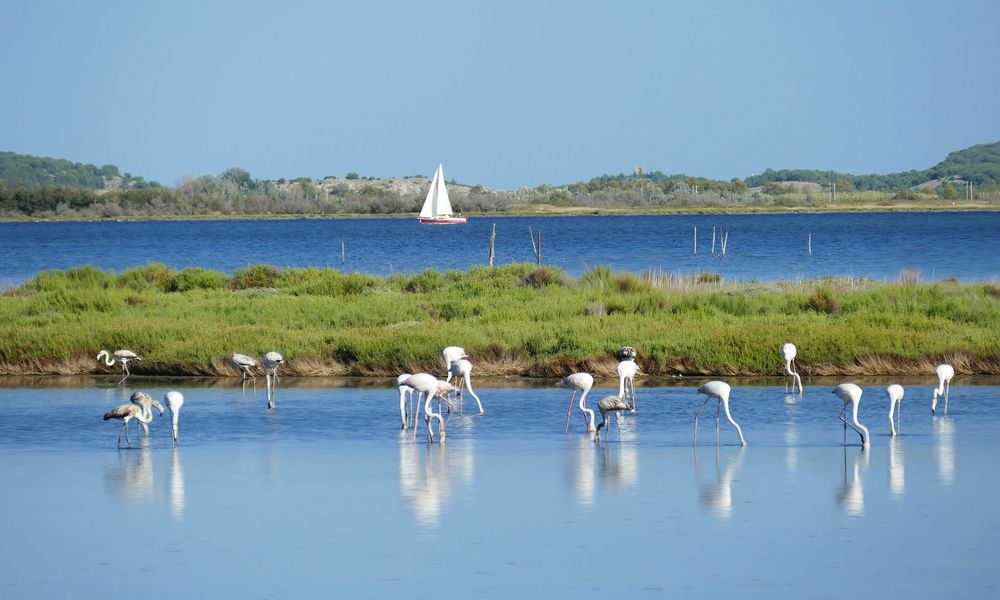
[
  {"x": 174, "y": 400},
  {"x": 120, "y": 356},
  {"x": 271, "y": 361},
  {"x": 627, "y": 370},
  {"x": 405, "y": 392},
  {"x": 244, "y": 363},
  {"x": 431, "y": 387},
  {"x": 895, "y": 393},
  {"x": 126, "y": 412},
  {"x": 450, "y": 355},
  {"x": 788, "y": 352},
  {"x": 611, "y": 404},
  {"x": 462, "y": 370},
  {"x": 720, "y": 391},
  {"x": 944, "y": 375},
  {"x": 851, "y": 393},
  {"x": 146, "y": 402},
  {"x": 579, "y": 382}
]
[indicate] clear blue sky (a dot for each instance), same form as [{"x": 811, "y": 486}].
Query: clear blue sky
[{"x": 505, "y": 94}]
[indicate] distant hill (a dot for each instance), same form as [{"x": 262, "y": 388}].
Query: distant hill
[
  {"x": 979, "y": 164},
  {"x": 33, "y": 172}
]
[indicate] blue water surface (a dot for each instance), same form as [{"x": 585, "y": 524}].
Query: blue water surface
[
  {"x": 325, "y": 496},
  {"x": 761, "y": 247}
]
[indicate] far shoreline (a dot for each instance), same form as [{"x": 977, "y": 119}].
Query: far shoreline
[{"x": 542, "y": 211}]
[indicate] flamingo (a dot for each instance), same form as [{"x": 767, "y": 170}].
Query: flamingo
[
  {"x": 121, "y": 356},
  {"x": 608, "y": 404},
  {"x": 462, "y": 368},
  {"x": 126, "y": 412},
  {"x": 425, "y": 383},
  {"x": 944, "y": 375},
  {"x": 627, "y": 370},
  {"x": 895, "y": 393},
  {"x": 580, "y": 382},
  {"x": 404, "y": 391},
  {"x": 850, "y": 393},
  {"x": 174, "y": 400},
  {"x": 271, "y": 360},
  {"x": 244, "y": 363},
  {"x": 450, "y": 355},
  {"x": 788, "y": 353},
  {"x": 720, "y": 391},
  {"x": 146, "y": 402}
]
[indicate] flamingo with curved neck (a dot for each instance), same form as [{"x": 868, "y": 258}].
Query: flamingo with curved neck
[
  {"x": 174, "y": 400},
  {"x": 580, "y": 382},
  {"x": 851, "y": 394},
  {"x": 720, "y": 391},
  {"x": 788, "y": 352},
  {"x": 944, "y": 374},
  {"x": 895, "y": 393},
  {"x": 462, "y": 370}
]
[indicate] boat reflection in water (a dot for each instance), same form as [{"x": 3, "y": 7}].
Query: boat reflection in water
[
  {"x": 717, "y": 496},
  {"x": 851, "y": 495}
]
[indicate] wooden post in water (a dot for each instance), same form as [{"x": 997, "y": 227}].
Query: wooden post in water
[
  {"x": 493, "y": 239},
  {"x": 810, "y": 244},
  {"x": 531, "y": 236},
  {"x": 538, "y": 257},
  {"x": 696, "y": 240},
  {"x": 343, "y": 253},
  {"x": 725, "y": 242},
  {"x": 713, "y": 241}
]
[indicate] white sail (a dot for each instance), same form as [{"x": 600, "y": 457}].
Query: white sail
[{"x": 437, "y": 203}]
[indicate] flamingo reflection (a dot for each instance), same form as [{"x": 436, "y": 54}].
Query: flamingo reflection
[
  {"x": 176, "y": 485},
  {"x": 944, "y": 431},
  {"x": 718, "y": 497},
  {"x": 426, "y": 475},
  {"x": 897, "y": 474},
  {"x": 132, "y": 477},
  {"x": 851, "y": 495},
  {"x": 580, "y": 461}
]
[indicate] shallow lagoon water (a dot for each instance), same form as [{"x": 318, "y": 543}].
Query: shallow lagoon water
[{"x": 324, "y": 495}]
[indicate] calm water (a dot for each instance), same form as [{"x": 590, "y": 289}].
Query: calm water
[
  {"x": 763, "y": 247},
  {"x": 324, "y": 496}
]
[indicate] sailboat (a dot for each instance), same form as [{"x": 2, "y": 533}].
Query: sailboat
[{"x": 437, "y": 206}]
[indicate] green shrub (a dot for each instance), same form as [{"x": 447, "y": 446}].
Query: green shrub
[
  {"x": 600, "y": 276},
  {"x": 254, "y": 276},
  {"x": 822, "y": 301},
  {"x": 196, "y": 278},
  {"x": 152, "y": 275},
  {"x": 428, "y": 280}
]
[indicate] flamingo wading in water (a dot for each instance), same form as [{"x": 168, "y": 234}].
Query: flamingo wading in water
[
  {"x": 126, "y": 412},
  {"x": 851, "y": 394},
  {"x": 609, "y": 404},
  {"x": 147, "y": 403},
  {"x": 627, "y": 370},
  {"x": 120, "y": 356},
  {"x": 462, "y": 370},
  {"x": 271, "y": 360},
  {"x": 895, "y": 393},
  {"x": 425, "y": 383},
  {"x": 944, "y": 375},
  {"x": 579, "y": 382},
  {"x": 174, "y": 400},
  {"x": 788, "y": 352},
  {"x": 720, "y": 391},
  {"x": 244, "y": 363},
  {"x": 450, "y": 355}
]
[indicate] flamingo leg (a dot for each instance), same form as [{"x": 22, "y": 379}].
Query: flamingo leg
[
  {"x": 696, "y": 420},
  {"x": 569, "y": 410},
  {"x": 718, "y": 414}
]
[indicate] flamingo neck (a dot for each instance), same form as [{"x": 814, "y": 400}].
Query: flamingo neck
[{"x": 107, "y": 357}]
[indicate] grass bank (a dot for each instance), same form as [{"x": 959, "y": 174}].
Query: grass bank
[{"x": 513, "y": 320}]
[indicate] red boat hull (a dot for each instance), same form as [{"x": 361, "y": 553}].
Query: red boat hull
[{"x": 444, "y": 221}]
